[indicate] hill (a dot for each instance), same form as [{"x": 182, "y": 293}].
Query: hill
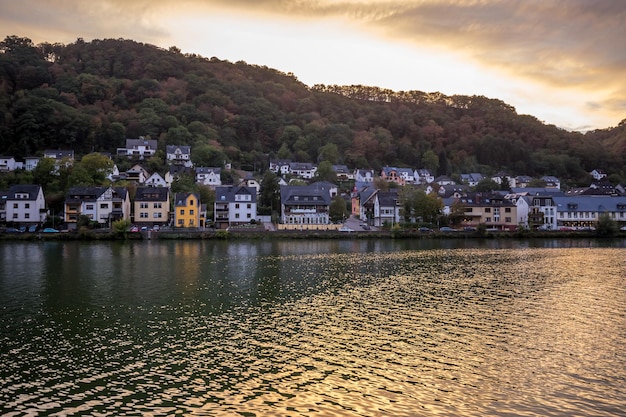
[{"x": 92, "y": 95}]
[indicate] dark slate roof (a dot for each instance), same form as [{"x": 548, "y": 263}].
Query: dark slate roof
[
  {"x": 304, "y": 195},
  {"x": 31, "y": 190},
  {"x": 387, "y": 198},
  {"x": 151, "y": 194},
  {"x": 181, "y": 199},
  {"x": 93, "y": 193},
  {"x": 183, "y": 149},
  {"x": 228, "y": 193},
  {"x": 206, "y": 170},
  {"x": 590, "y": 203}
]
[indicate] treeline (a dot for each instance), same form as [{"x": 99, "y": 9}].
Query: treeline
[{"x": 93, "y": 95}]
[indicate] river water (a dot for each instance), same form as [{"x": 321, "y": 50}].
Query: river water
[{"x": 313, "y": 328}]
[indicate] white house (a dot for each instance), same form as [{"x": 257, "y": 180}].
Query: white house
[
  {"x": 180, "y": 155},
  {"x": 598, "y": 174},
  {"x": 305, "y": 170},
  {"x": 100, "y": 204},
  {"x": 7, "y": 163},
  {"x": 31, "y": 162},
  {"x": 26, "y": 204},
  {"x": 364, "y": 175},
  {"x": 423, "y": 176},
  {"x": 138, "y": 148},
  {"x": 155, "y": 180},
  {"x": 280, "y": 166},
  {"x": 208, "y": 176},
  {"x": 234, "y": 205}
]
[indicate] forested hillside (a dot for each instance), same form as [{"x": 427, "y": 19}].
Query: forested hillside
[{"x": 90, "y": 96}]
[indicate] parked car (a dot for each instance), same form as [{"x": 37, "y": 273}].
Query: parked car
[
  {"x": 32, "y": 229},
  {"x": 156, "y": 227},
  {"x": 623, "y": 228},
  {"x": 425, "y": 229},
  {"x": 133, "y": 229},
  {"x": 446, "y": 229},
  {"x": 11, "y": 230},
  {"x": 50, "y": 230}
]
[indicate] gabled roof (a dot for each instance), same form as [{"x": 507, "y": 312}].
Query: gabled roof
[
  {"x": 133, "y": 143},
  {"x": 228, "y": 194},
  {"x": 31, "y": 190},
  {"x": 208, "y": 170},
  {"x": 387, "y": 198},
  {"x": 93, "y": 193},
  {"x": 151, "y": 194},
  {"x": 59, "y": 154},
  {"x": 182, "y": 198},
  {"x": 183, "y": 149},
  {"x": 590, "y": 203},
  {"x": 304, "y": 195}
]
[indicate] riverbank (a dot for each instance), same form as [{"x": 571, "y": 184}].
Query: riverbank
[{"x": 211, "y": 234}]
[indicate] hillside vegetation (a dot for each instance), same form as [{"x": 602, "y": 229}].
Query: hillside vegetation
[{"x": 91, "y": 96}]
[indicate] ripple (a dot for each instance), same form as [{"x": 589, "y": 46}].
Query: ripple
[{"x": 454, "y": 332}]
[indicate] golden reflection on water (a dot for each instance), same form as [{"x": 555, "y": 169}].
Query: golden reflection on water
[{"x": 328, "y": 330}]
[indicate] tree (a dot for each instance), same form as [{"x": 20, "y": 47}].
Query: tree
[
  {"x": 430, "y": 161},
  {"x": 97, "y": 166},
  {"x": 270, "y": 191},
  {"x": 338, "y": 210},
  {"x": 325, "y": 172},
  {"x": 606, "y": 226},
  {"x": 486, "y": 185}
]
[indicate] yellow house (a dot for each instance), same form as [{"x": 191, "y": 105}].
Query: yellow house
[{"x": 187, "y": 210}]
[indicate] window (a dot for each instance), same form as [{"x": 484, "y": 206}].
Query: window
[
  {"x": 143, "y": 205},
  {"x": 104, "y": 206},
  {"x": 487, "y": 209},
  {"x": 249, "y": 215},
  {"x": 88, "y": 206},
  {"x": 27, "y": 205},
  {"x": 507, "y": 209},
  {"x": 487, "y": 219},
  {"x": 191, "y": 203},
  {"x": 249, "y": 206},
  {"x": 15, "y": 215},
  {"x": 507, "y": 220},
  {"x": 143, "y": 215},
  {"x": 157, "y": 205},
  {"x": 236, "y": 215},
  {"x": 182, "y": 212},
  {"x": 157, "y": 215},
  {"x": 27, "y": 215},
  {"x": 14, "y": 205},
  {"x": 181, "y": 222},
  {"x": 237, "y": 206},
  {"x": 191, "y": 212}
]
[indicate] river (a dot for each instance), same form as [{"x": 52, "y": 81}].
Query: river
[{"x": 313, "y": 328}]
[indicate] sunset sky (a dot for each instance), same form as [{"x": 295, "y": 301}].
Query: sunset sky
[{"x": 563, "y": 62}]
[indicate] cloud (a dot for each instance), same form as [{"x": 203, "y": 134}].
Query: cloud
[{"x": 572, "y": 46}]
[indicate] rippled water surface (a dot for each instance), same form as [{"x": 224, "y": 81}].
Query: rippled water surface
[{"x": 289, "y": 328}]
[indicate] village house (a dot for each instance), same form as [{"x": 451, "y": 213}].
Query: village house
[
  {"x": 31, "y": 162},
  {"x": 305, "y": 204},
  {"x": 491, "y": 209},
  {"x": 155, "y": 180},
  {"x": 364, "y": 176},
  {"x": 234, "y": 205},
  {"x": 386, "y": 208},
  {"x": 103, "y": 205},
  {"x": 178, "y": 155},
  {"x": 395, "y": 175},
  {"x": 598, "y": 174},
  {"x": 8, "y": 163},
  {"x": 209, "y": 176},
  {"x": 304, "y": 170},
  {"x": 280, "y": 166},
  {"x": 151, "y": 206},
  {"x": 187, "y": 210},
  {"x": 25, "y": 205},
  {"x": 138, "y": 148},
  {"x": 423, "y": 176},
  {"x": 585, "y": 211}
]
